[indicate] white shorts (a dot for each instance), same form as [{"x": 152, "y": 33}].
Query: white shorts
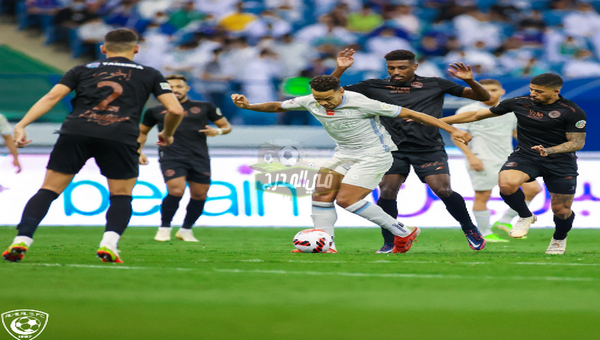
[
  {"x": 363, "y": 171},
  {"x": 486, "y": 179}
]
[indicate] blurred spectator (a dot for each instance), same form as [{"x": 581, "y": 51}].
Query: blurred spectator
[
  {"x": 294, "y": 55},
  {"x": 70, "y": 18},
  {"x": 238, "y": 20},
  {"x": 583, "y": 22},
  {"x": 475, "y": 26},
  {"x": 387, "y": 41},
  {"x": 370, "y": 64},
  {"x": 185, "y": 15},
  {"x": 258, "y": 85},
  {"x": 364, "y": 21},
  {"x": 570, "y": 46},
  {"x": 324, "y": 29},
  {"x": 124, "y": 15},
  {"x": 215, "y": 83},
  {"x": 92, "y": 34},
  {"x": 561, "y": 4},
  {"x": 183, "y": 60},
  {"x": 325, "y": 6},
  {"x": 431, "y": 47},
  {"x": 452, "y": 45},
  {"x": 339, "y": 13},
  {"x": 269, "y": 23},
  {"x": 582, "y": 66},
  {"x": 218, "y": 8},
  {"x": 532, "y": 68},
  {"x": 401, "y": 16},
  {"x": 428, "y": 68},
  {"x": 42, "y": 7},
  {"x": 235, "y": 56},
  {"x": 290, "y": 10}
]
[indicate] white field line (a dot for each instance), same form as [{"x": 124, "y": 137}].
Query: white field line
[
  {"x": 408, "y": 275},
  {"x": 315, "y": 273}
]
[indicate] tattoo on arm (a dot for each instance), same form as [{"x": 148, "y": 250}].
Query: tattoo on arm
[{"x": 576, "y": 140}]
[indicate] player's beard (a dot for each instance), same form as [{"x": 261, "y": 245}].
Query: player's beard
[{"x": 183, "y": 98}]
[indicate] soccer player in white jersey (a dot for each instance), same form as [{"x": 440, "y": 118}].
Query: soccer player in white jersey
[
  {"x": 485, "y": 155},
  {"x": 6, "y": 132},
  {"x": 362, "y": 154}
]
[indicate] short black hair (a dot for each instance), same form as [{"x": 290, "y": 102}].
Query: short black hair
[
  {"x": 177, "y": 76},
  {"x": 547, "y": 80},
  {"x": 120, "y": 40},
  {"x": 490, "y": 82},
  {"x": 325, "y": 83},
  {"x": 400, "y": 55}
]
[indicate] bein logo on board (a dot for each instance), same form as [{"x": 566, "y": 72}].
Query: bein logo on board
[{"x": 24, "y": 324}]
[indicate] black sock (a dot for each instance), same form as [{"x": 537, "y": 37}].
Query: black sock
[
  {"x": 35, "y": 211},
  {"x": 168, "y": 208},
  {"x": 391, "y": 208},
  {"x": 118, "y": 213},
  {"x": 563, "y": 226},
  {"x": 517, "y": 203},
  {"x": 194, "y": 210},
  {"x": 455, "y": 204}
]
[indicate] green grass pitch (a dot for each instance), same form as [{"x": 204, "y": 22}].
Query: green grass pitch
[{"x": 243, "y": 283}]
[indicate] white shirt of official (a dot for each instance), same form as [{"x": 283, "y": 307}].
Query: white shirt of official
[
  {"x": 492, "y": 138},
  {"x": 354, "y": 125},
  {"x": 5, "y": 128}
]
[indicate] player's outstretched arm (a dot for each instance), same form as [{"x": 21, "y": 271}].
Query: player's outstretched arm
[
  {"x": 240, "y": 101},
  {"x": 456, "y": 134},
  {"x": 144, "y": 129},
  {"x": 344, "y": 60},
  {"x": 45, "y": 104},
  {"x": 172, "y": 118},
  {"x": 469, "y": 116},
  {"x": 475, "y": 91},
  {"x": 576, "y": 141},
  {"x": 10, "y": 144},
  {"x": 223, "y": 128}
]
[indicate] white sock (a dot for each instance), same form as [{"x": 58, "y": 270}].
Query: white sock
[
  {"x": 483, "y": 221},
  {"x": 185, "y": 231},
  {"x": 510, "y": 214},
  {"x": 110, "y": 239},
  {"x": 23, "y": 239},
  {"x": 324, "y": 216},
  {"x": 375, "y": 214}
]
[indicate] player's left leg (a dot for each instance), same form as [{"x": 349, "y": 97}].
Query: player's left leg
[
  {"x": 562, "y": 193},
  {"x": 530, "y": 189},
  {"x": 323, "y": 214},
  {"x": 194, "y": 209}
]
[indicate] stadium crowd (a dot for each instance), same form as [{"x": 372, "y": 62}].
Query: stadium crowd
[{"x": 266, "y": 48}]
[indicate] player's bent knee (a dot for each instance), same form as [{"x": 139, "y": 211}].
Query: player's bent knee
[
  {"x": 178, "y": 192},
  {"x": 443, "y": 192}
]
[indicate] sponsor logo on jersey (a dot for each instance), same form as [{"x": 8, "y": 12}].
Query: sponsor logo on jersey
[
  {"x": 416, "y": 85},
  {"x": 195, "y": 110},
  {"x": 554, "y": 114},
  {"x": 430, "y": 164},
  {"x": 580, "y": 124},
  {"x": 510, "y": 164},
  {"x": 93, "y": 65},
  {"x": 535, "y": 114},
  {"x": 165, "y": 86},
  {"x": 330, "y": 112},
  {"x": 219, "y": 112},
  {"x": 386, "y": 106}
]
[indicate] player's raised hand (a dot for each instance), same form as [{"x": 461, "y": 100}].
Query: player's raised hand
[
  {"x": 345, "y": 58},
  {"x": 240, "y": 101},
  {"x": 475, "y": 163},
  {"x": 461, "y": 71},
  {"x": 209, "y": 131},
  {"x": 20, "y": 137},
  {"x": 143, "y": 160},
  {"x": 461, "y": 136},
  {"x": 541, "y": 150},
  {"x": 163, "y": 140}
]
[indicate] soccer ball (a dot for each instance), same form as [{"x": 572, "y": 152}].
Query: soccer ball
[
  {"x": 28, "y": 324},
  {"x": 312, "y": 241},
  {"x": 289, "y": 155}
]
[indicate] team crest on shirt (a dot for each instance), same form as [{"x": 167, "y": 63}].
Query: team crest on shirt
[
  {"x": 165, "y": 86},
  {"x": 416, "y": 85},
  {"x": 554, "y": 114},
  {"x": 386, "y": 106},
  {"x": 195, "y": 110},
  {"x": 580, "y": 124},
  {"x": 330, "y": 112}
]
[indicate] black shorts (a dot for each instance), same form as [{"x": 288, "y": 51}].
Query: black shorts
[
  {"x": 424, "y": 163},
  {"x": 560, "y": 175},
  {"x": 192, "y": 172},
  {"x": 116, "y": 160}
]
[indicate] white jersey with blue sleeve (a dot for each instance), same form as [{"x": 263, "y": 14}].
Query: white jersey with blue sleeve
[{"x": 5, "y": 128}]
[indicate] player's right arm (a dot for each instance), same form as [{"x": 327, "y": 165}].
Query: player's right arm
[
  {"x": 344, "y": 60},
  {"x": 242, "y": 102},
  {"x": 172, "y": 118},
  {"x": 144, "y": 129},
  {"x": 457, "y": 135},
  {"x": 45, "y": 104}
]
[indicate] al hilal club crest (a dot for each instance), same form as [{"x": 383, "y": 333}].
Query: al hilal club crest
[{"x": 24, "y": 324}]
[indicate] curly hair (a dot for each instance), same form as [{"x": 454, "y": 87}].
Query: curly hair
[
  {"x": 400, "y": 55},
  {"x": 324, "y": 83},
  {"x": 547, "y": 80}
]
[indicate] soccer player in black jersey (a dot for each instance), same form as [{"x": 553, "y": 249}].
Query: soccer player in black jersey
[
  {"x": 550, "y": 129},
  {"x": 109, "y": 98},
  {"x": 186, "y": 160},
  {"x": 418, "y": 145}
]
